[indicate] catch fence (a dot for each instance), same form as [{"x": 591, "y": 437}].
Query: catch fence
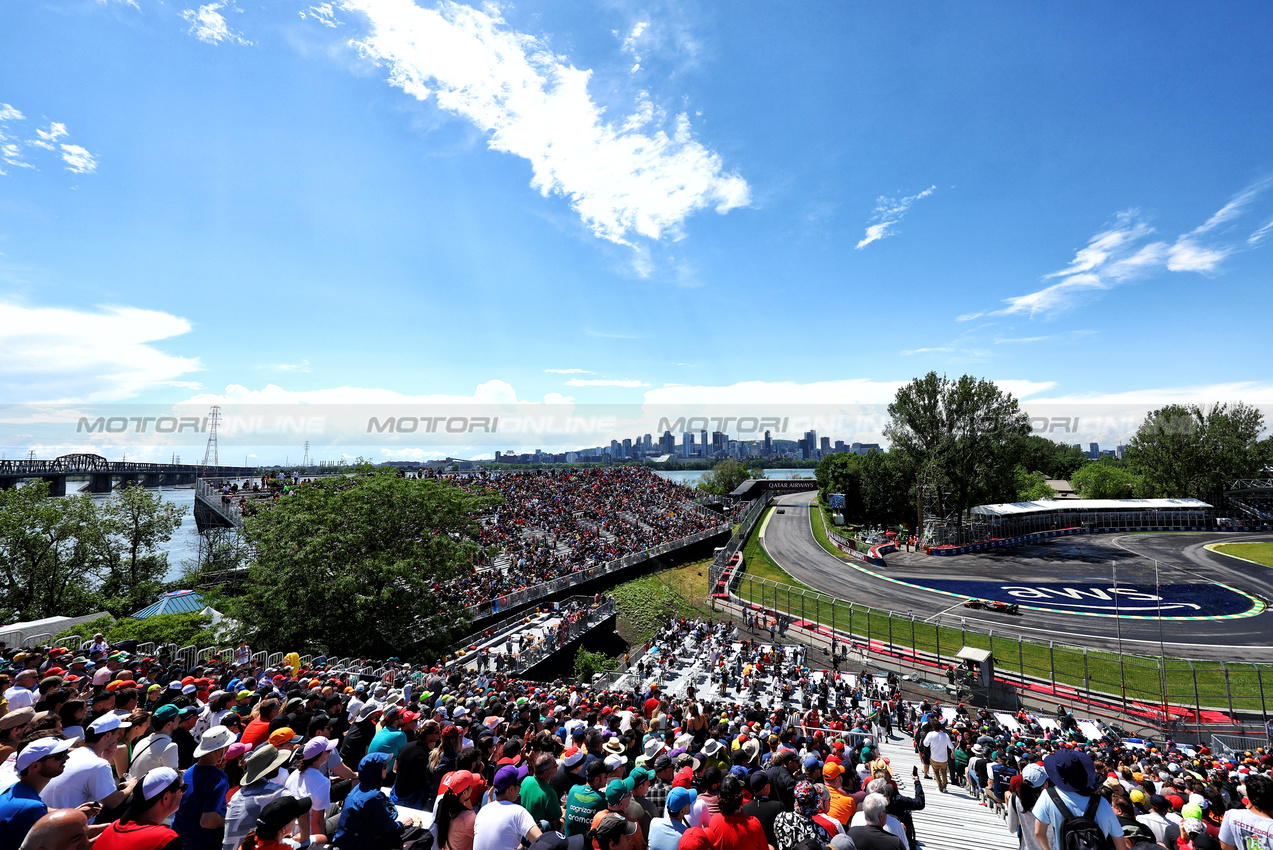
[{"x": 1166, "y": 696}]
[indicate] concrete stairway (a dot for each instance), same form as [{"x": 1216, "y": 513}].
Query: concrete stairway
[{"x": 950, "y": 821}]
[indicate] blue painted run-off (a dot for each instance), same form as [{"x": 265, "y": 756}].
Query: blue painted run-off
[{"x": 1097, "y": 597}]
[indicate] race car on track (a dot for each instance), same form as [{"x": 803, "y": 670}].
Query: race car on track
[{"x": 993, "y": 605}]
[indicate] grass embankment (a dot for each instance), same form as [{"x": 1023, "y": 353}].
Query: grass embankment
[
  {"x": 1260, "y": 553},
  {"x": 647, "y": 602},
  {"x": 1139, "y": 677}
]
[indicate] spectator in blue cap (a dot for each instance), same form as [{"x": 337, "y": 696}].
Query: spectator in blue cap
[
  {"x": 666, "y": 832},
  {"x": 1073, "y": 793}
]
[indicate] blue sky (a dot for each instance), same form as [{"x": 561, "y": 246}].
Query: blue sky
[{"x": 622, "y": 202}]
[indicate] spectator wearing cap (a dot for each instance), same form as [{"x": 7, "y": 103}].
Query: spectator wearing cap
[
  {"x": 661, "y": 784},
  {"x": 570, "y": 773},
  {"x": 274, "y": 819},
  {"x": 762, "y": 806},
  {"x": 155, "y": 799},
  {"x": 613, "y": 832},
  {"x": 537, "y": 795},
  {"x": 390, "y": 739},
  {"x": 459, "y": 794},
  {"x": 257, "y": 791},
  {"x": 584, "y": 801},
  {"x": 37, "y": 763},
  {"x": 361, "y": 731},
  {"x": 201, "y": 817},
  {"x": 22, "y": 693},
  {"x": 183, "y": 736},
  {"x": 1021, "y": 802},
  {"x": 1166, "y": 831},
  {"x": 13, "y": 725},
  {"x": 60, "y": 829},
  {"x": 1074, "y": 785},
  {"x": 812, "y": 769},
  {"x": 156, "y": 749},
  {"x": 731, "y": 828},
  {"x": 369, "y": 820},
  {"x": 504, "y": 822},
  {"x": 666, "y": 832},
  {"x": 641, "y": 809},
  {"x": 842, "y": 806},
  {"x": 87, "y": 776},
  {"x": 309, "y": 782}
]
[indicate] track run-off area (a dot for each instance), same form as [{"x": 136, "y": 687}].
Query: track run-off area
[{"x": 1197, "y": 603}]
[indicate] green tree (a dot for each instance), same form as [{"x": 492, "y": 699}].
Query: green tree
[
  {"x": 1106, "y": 479},
  {"x": 1032, "y": 485},
  {"x": 1189, "y": 450},
  {"x": 49, "y": 563},
  {"x": 726, "y": 476},
  {"x": 961, "y": 435},
  {"x": 350, "y": 566},
  {"x": 1053, "y": 459},
  {"x": 181, "y": 629},
  {"x": 842, "y": 473},
  {"x": 888, "y": 489},
  {"x": 134, "y": 524},
  {"x": 589, "y": 664}
]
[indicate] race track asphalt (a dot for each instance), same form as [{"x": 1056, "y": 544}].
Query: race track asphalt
[{"x": 1181, "y": 560}]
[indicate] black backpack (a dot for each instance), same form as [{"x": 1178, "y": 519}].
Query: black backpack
[{"x": 1079, "y": 832}]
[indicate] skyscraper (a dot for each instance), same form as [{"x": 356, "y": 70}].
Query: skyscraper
[{"x": 769, "y": 445}]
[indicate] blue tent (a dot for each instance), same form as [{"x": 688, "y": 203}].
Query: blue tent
[{"x": 175, "y": 602}]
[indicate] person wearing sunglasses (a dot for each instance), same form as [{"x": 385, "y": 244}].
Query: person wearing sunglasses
[
  {"x": 38, "y": 762},
  {"x": 156, "y": 798}
]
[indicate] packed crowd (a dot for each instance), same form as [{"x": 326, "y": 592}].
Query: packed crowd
[
  {"x": 129, "y": 752},
  {"x": 556, "y": 522}
]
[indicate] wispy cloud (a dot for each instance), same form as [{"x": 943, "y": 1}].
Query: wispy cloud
[
  {"x": 323, "y": 13},
  {"x": 569, "y": 371},
  {"x": 1258, "y": 236},
  {"x": 303, "y": 366},
  {"x": 630, "y": 42},
  {"x": 888, "y": 212},
  {"x": 958, "y": 352},
  {"x": 13, "y": 146},
  {"x": 1122, "y": 253},
  {"x": 1068, "y": 336},
  {"x": 209, "y": 26},
  {"x": 604, "y": 382},
  {"x": 641, "y": 176}
]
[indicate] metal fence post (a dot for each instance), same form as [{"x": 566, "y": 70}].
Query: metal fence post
[
  {"x": 937, "y": 641},
  {"x": 1197, "y": 699},
  {"x": 914, "y": 649},
  {"x": 1021, "y": 659},
  {"x": 1259, "y": 680},
  {"x": 1228, "y": 690},
  {"x": 1052, "y": 666},
  {"x": 1087, "y": 683}
]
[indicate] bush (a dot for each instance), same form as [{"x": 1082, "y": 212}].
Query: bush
[
  {"x": 646, "y": 604},
  {"x": 181, "y": 629},
  {"x": 589, "y": 664}
]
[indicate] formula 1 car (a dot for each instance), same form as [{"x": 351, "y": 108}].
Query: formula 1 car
[{"x": 993, "y": 605}]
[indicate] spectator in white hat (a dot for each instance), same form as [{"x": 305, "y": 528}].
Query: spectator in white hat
[
  {"x": 201, "y": 817},
  {"x": 20, "y": 805},
  {"x": 87, "y": 776},
  {"x": 156, "y": 798},
  {"x": 309, "y": 782}
]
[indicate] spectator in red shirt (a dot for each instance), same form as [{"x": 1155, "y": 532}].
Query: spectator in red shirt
[
  {"x": 730, "y": 829},
  {"x": 258, "y": 731}
]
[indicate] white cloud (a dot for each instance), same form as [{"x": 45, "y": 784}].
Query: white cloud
[
  {"x": 569, "y": 371},
  {"x": 623, "y": 179},
  {"x": 852, "y": 391},
  {"x": 12, "y": 152},
  {"x": 209, "y": 26},
  {"x": 604, "y": 382},
  {"x": 630, "y": 43},
  {"x": 78, "y": 160},
  {"x": 1068, "y": 336},
  {"x": 1121, "y": 254},
  {"x": 1251, "y": 392},
  {"x": 888, "y": 212},
  {"x": 132, "y": 3},
  {"x": 1258, "y": 236},
  {"x": 488, "y": 392},
  {"x": 611, "y": 335},
  {"x": 303, "y": 366},
  {"x": 47, "y": 139},
  {"x": 52, "y": 354},
  {"x": 324, "y": 14}
]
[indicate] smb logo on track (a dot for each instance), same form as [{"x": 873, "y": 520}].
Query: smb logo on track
[{"x": 1128, "y": 600}]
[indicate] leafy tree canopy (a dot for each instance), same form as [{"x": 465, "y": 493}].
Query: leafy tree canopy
[
  {"x": 726, "y": 476},
  {"x": 350, "y": 566},
  {"x": 1191, "y": 451}
]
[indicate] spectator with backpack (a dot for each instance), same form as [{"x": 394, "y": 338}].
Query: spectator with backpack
[{"x": 1070, "y": 815}]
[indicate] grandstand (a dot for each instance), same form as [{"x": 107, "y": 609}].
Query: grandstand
[
  {"x": 1017, "y": 519},
  {"x": 1250, "y": 500}
]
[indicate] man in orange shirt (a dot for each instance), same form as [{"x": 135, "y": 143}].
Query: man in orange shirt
[
  {"x": 842, "y": 805},
  {"x": 258, "y": 731}
]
